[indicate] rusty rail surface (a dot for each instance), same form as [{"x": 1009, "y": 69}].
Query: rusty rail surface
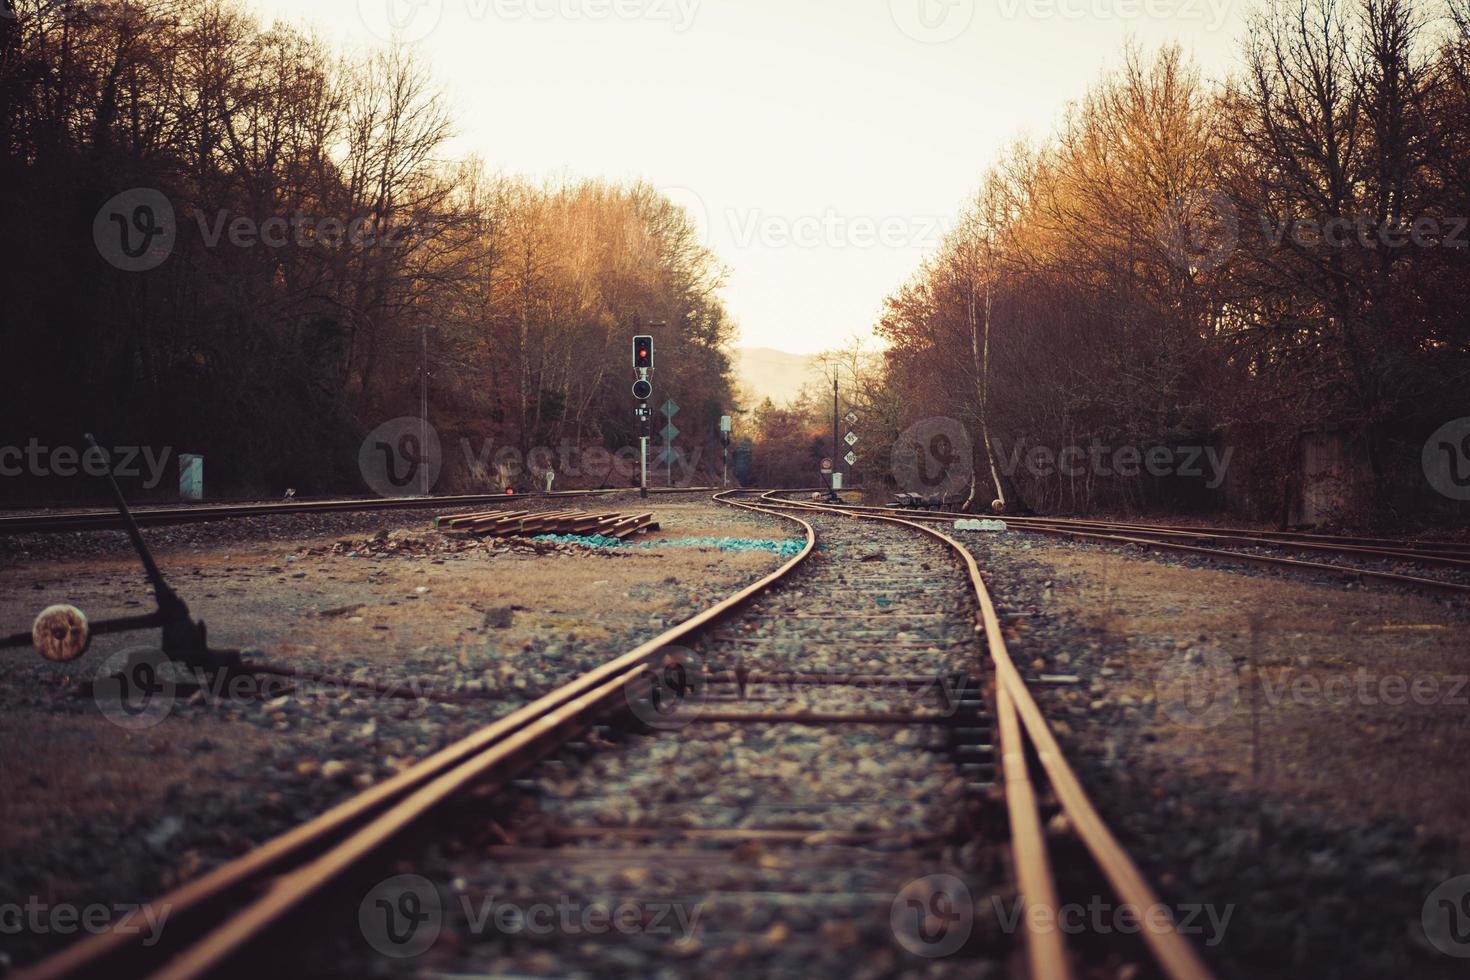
[
  {"x": 108, "y": 520},
  {"x": 1155, "y": 537},
  {"x": 1018, "y": 715},
  {"x": 219, "y": 913}
]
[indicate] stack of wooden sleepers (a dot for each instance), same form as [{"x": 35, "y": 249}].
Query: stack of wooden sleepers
[{"x": 522, "y": 523}]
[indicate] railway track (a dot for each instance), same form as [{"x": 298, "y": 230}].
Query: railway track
[
  {"x": 1228, "y": 544},
  {"x": 107, "y": 520},
  {"x": 839, "y": 761}
]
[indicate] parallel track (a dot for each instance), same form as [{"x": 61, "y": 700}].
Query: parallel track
[
  {"x": 51, "y": 523},
  {"x": 1147, "y": 536}
]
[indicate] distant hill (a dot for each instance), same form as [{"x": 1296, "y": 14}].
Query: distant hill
[{"x": 767, "y": 373}]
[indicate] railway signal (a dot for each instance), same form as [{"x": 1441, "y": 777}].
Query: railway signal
[
  {"x": 643, "y": 390},
  {"x": 643, "y": 353}
]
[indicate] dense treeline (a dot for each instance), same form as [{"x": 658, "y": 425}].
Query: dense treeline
[
  {"x": 1234, "y": 268},
  {"x": 322, "y": 251}
]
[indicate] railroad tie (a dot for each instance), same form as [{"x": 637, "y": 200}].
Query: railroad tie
[{"x": 520, "y": 523}]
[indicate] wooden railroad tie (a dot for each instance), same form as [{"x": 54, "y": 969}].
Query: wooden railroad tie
[{"x": 522, "y": 523}]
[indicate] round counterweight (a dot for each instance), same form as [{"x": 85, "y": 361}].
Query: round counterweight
[{"x": 61, "y": 633}]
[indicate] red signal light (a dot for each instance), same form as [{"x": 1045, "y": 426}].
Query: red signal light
[
  {"x": 510, "y": 491},
  {"x": 643, "y": 352}
]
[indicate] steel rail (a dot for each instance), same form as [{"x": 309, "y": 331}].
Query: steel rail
[
  {"x": 1175, "y": 956},
  {"x": 105, "y": 520},
  {"x": 1421, "y": 546},
  {"x": 1389, "y": 547},
  {"x": 1449, "y": 557},
  {"x": 299, "y": 863},
  {"x": 1345, "y": 571}
]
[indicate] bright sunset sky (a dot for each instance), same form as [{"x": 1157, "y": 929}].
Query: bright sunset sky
[{"x": 822, "y": 143}]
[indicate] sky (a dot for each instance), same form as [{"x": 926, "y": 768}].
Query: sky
[{"x": 822, "y": 145}]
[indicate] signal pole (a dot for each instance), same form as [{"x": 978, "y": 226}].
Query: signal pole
[
  {"x": 836, "y": 438},
  {"x": 643, "y": 454},
  {"x": 726, "y": 424}
]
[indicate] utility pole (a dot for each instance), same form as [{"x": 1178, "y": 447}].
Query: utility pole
[{"x": 726, "y": 424}]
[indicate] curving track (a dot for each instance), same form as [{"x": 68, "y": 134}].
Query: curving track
[
  {"x": 1368, "y": 554},
  {"x": 815, "y": 641}
]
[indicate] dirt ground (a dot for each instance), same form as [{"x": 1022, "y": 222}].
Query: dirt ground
[
  {"x": 94, "y": 810},
  {"x": 1351, "y": 701},
  {"x": 1284, "y": 749}
]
